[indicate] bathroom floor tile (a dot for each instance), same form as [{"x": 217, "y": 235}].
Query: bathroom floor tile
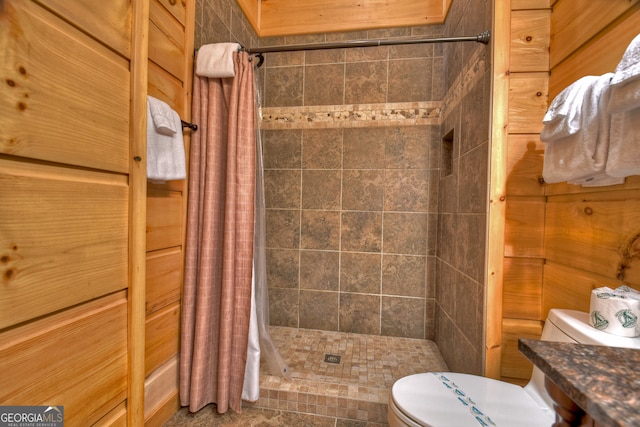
[{"x": 351, "y": 392}]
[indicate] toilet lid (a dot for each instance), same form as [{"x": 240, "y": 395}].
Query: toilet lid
[{"x": 460, "y": 400}]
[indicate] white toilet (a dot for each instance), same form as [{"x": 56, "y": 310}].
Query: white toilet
[{"x": 445, "y": 399}]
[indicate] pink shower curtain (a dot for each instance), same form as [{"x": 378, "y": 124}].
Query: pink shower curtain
[{"x": 219, "y": 250}]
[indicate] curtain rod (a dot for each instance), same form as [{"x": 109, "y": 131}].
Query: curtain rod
[
  {"x": 480, "y": 38},
  {"x": 483, "y": 38}
]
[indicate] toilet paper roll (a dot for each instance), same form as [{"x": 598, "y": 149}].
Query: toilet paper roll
[{"x": 616, "y": 311}]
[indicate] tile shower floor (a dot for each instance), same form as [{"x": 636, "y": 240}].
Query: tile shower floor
[{"x": 352, "y": 392}]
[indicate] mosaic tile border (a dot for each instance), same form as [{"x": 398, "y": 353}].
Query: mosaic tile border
[{"x": 356, "y": 115}]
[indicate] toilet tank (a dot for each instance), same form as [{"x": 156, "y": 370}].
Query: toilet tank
[{"x": 571, "y": 326}]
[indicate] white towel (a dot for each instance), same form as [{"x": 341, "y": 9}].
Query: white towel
[
  {"x": 216, "y": 60},
  {"x": 165, "y": 153},
  {"x": 625, "y": 84},
  {"x": 162, "y": 116},
  {"x": 624, "y": 144},
  {"x": 582, "y": 155},
  {"x": 628, "y": 68},
  {"x": 563, "y": 116}
]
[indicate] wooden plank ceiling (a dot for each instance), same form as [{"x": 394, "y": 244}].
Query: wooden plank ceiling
[{"x": 286, "y": 17}]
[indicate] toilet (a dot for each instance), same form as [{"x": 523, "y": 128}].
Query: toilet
[{"x": 446, "y": 399}]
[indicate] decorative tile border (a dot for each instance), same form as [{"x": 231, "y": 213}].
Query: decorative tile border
[{"x": 344, "y": 116}]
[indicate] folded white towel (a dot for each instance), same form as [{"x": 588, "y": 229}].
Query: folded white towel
[
  {"x": 563, "y": 116},
  {"x": 162, "y": 116},
  {"x": 583, "y": 154},
  {"x": 625, "y": 84},
  {"x": 628, "y": 68},
  {"x": 624, "y": 144},
  {"x": 625, "y": 97},
  {"x": 165, "y": 153},
  {"x": 216, "y": 60}
]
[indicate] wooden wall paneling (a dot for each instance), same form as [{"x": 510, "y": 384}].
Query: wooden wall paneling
[
  {"x": 53, "y": 64},
  {"x": 527, "y": 101},
  {"x": 76, "y": 359},
  {"x": 177, "y": 8},
  {"x": 571, "y": 30},
  {"x": 514, "y": 364},
  {"x": 63, "y": 240},
  {"x": 138, "y": 212},
  {"x": 497, "y": 188},
  {"x": 117, "y": 417},
  {"x": 164, "y": 220},
  {"x": 525, "y": 157},
  {"x": 164, "y": 278},
  {"x": 251, "y": 9},
  {"x": 161, "y": 393},
  {"x": 522, "y": 288},
  {"x": 568, "y": 287},
  {"x": 285, "y": 17},
  {"x": 595, "y": 234},
  {"x": 600, "y": 55},
  {"x": 168, "y": 88},
  {"x": 166, "y": 40},
  {"x": 162, "y": 337},
  {"x": 563, "y": 188},
  {"x": 530, "y": 4},
  {"x": 530, "y": 30},
  {"x": 109, "y": 22},
  {"x": 524, "y": 231}
]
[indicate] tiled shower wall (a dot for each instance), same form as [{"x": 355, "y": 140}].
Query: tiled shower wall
[
  {"x": 366, "y": 233},
  {"x": 462, "y": 205},
  {"x": 351, "y": 148}
]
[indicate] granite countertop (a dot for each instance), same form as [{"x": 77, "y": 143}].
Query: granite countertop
[{"x": 603, "y": 381}]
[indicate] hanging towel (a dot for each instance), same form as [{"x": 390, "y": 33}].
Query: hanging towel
[
  {"x": 625, "y": 84},
  {"x": 216, "y": 60},
  {"x": 624, "y": 144},
  {"x": 582, "y": 155},
  {"x": 162, "y": 116},
  {"x": 165, "y": 153},
  {"x": 624, "y": 106},
  {"x": 563, "y": 116}
]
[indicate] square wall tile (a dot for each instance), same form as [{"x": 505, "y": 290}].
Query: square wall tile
[
  {"x": 319, "y": 310},
  {"x": 360, "y": 272},
  {"x": 319, "y": 270},
  {"x": 360, "y": 313},
  {"x": 362, "y": 231},
  {"x": 403, "y": 317}
]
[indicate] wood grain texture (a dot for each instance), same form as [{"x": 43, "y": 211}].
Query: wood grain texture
[
  {"x": 162, "y": 332},
  {"x": 514, "y": 364},
  {"x": 64, "y": 97},
  {"x": 286, "y": 17},
  {"x": 524, "y": 231},
  {"x": 528, "y": 97},
  {"x": 76, "y": 358},
  {"x": 166, "y": 40},
  {"x": 164, "y": 278},
  {"x": 530, "y": 32},
  {"x": 109, "y": 22},
  {"x": 63, "y": 238},
  {"x": 522, "y": 288},
  {"x": 525, "y": 157},
  {"x": 599, "y": 55},
  {"x": 164, "y": 220},
  {"x": 596, "y": 233},
  {"x": 575, "y": 22}
]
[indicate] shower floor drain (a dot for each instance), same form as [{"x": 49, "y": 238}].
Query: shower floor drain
[{"x": 332, "y": 358}]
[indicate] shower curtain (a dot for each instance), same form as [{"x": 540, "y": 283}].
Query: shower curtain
[{"x": 220, "y": 238}]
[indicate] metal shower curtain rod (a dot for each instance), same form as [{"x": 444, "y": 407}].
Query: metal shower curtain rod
[{"x": 483, "y": 38}]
